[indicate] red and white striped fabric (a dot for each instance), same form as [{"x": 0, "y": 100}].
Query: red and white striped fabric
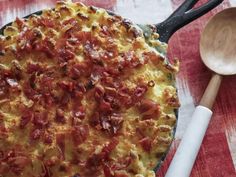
[{"x": 217, "y": 156}]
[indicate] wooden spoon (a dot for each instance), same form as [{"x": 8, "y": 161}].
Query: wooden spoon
[{"x": 218, "y": 52}]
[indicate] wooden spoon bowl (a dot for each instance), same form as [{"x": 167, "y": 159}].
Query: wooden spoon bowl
[{"x": 218, "y": 43}]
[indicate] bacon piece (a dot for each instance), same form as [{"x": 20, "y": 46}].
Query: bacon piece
[
  {"x": 47, "y": 22},
  {"x": 146, "y": 144},
  {"x": 79, "y": 134},
  {"x": 111, "y": 123},
  {"x": 98, "y": 92},
  {"x": 149, "y": 109},
  {"x": 92, "y": 54},
  {"x": 67, "y": 85},
  {"x": 64, "y": 55},
  {"x": 20, "y": 23},
  {"x": 60, "y": 140},
  {"x": 26, "y": 118},
  {"x": 46, "y": 171},
  {"x": 71, "y": 21},
  {"x": 40, "y": 120},
  {"x": 83, "y": 36},
  {"x": 48, "y": 139},
  {"x": 108, "y": 148},
  {"x": 95, "y": 120},
  {"x": 46, "y": 46},
  {"x": 29, "y": 92},
  {"x": 16, "y": 69},
  {"x": 97, "y": 160},
  {"x": 125, "y": 96},
  {"x": 107, "y": 171},
  {"x": 139, "y": 92},
  {"x": 105, "y": 106},
  {"x": 60, "y": 118},
  {"x": 81, "y": 69},
  {"x": 153, "y": 57},
  {"x": 33, "y": 68},
  {"x": 35, "y": 134},
  {"x": 3, "y": 88},
  {"x": 79, "y": 112}
]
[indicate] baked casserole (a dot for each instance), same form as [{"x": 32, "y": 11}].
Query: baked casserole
[{"x": 83, "y": 93}]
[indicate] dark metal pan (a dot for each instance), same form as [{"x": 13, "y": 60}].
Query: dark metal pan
[{"x": 184, "y": 15}]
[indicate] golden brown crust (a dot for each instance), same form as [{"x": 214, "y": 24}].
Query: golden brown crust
[{"x": 82, "y": 93}]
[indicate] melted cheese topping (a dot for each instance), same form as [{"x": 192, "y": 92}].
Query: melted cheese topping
[{"x": 83, "y": 93}]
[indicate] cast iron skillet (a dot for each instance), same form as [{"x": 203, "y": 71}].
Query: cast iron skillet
[{"x": 181, "y": 17}]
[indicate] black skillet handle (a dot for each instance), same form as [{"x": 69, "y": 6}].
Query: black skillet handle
[{"x": 182, "y": 16}]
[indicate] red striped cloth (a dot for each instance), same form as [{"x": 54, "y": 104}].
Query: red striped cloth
[{"x": 217, "y": 157}]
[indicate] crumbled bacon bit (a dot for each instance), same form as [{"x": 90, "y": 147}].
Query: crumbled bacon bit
[
  {"x": 29, "y": 92},
  {"x": 60, "y": 140},
  {"x": 79, "y": 112},
  {"x": 153, "y": 57},
  {"x": 33, "y": 68},
  {"x": 3, "y": 88},
  {"x": 139, "y": 92},
  {"x": 149, "y": 109},
  {"x": 108, "y": 148},
  {"x": 67, "y": 85},
  {"x": 40, "y": 119},
  {"x": 47, "y": 22},
  {"x": 98, "y": 92},
  {"x": 48, "y": 138},
  {"x": 80, "y": 133},
  {"x": 46, "y": 171},
  {"x": 20, "y": 23},
  {"x": 107, "y": 171},
  {"x": 98, "y": 159},
  {"x": 111, "y": 123},
  {"x": 46, "y": 46},
  {"x": 65, "y": 55},
  {"x": 26, "y": 118},
  {"x": 60, "y": 116},
  {"x": 146, "y": 144},
  {"x": 36, "y": 134},
  {"x": 105, "y": 106}
]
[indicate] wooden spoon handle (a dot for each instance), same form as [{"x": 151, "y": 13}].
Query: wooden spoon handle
[
  {"x": 211, "y": 91},
  {"x": 185, "y": 156},
  {"x": 190, "y": 144}
]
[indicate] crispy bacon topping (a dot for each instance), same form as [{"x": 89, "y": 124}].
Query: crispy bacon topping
[
  {"x": 79, "y": 112},
  {"x": 149, "y": 109},
  {"x": 46, "y": 22},
  {"x": 80, "y": 134},
  {"x": 60, "y": 118},
  {"x": 146, "y": 144},
  {"x": 73, "y": 80},
  {"x": 36, "y": 134},
  {"x": 40, "y": 119},
  {"x": 26, "y": 118},
  {"x": 98, "y": 159}
]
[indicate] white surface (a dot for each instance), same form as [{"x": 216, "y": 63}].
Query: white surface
[
  {"x": 187, "y": 151},
  {"x": 151, "y": 12}
]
